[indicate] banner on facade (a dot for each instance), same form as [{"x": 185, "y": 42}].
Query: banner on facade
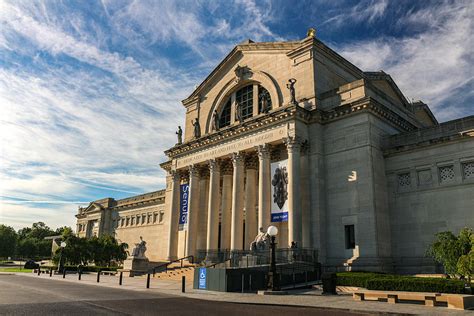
[
  {"x": 279, "y": 208},
  {"x": 183, "y": 206}
]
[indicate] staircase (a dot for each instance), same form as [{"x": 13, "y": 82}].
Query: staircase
[{"x": 175, "y": 272}]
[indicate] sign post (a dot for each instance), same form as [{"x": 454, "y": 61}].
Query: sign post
[{"x": 202, "y": 278}]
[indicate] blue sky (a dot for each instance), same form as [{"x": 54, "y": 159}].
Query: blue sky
[{"x": 90, "y": 91}]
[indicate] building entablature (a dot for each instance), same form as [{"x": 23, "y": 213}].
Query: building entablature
[{"x": 455, "y": 130}]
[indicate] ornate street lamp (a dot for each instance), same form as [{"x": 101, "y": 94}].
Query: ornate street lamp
[
  {"x": 273, "y": 281},
  {"x": 61, "y": 264}
]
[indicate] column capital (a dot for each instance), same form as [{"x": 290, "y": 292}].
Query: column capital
[
  {"x": 175, "y": 175},
  {"x": 226, "y": 167},
  {"x": 263, "y": 151},
  {"x": 193, "y": 171},
  {"x": 292, "y": 143},
  {"x": 214, "y": 165},
  {"x": 203, "y": 172},
  {"x": 238, "y": 159},
  {"x": 251, "y": 162}
]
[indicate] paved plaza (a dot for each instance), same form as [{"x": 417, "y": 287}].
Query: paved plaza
[{"x": 29, "y": 294}]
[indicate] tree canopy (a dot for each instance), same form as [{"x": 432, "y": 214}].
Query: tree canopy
[{"x": 8, "y": 240}]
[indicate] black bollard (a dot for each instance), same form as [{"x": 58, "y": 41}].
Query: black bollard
[
  {"x": 98, "y": 276},
  {"x": 79, "y": 275},
  {"x": 183, "y": 284},
  {"x": 120, "y": 278},
  {"x": 50, "y": 272},
  {"x": 39, "y": 271},
  {"x": 148, "y": 281},
  {"x": 64, "y": 273}
]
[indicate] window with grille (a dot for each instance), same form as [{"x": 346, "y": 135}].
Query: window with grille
[
  {"x": 224, "y": 117},
  {"x": 468, "y": 170},
  {"x": 446, "y": 174},
  {"x": 244, "y": 98},
  {"x": 404, "y": 180}
]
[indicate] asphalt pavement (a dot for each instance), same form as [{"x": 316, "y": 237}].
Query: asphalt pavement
[{"x": 24, "y": 295}]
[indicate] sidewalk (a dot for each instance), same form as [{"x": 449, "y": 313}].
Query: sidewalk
[{"x": 310, "y": 298}]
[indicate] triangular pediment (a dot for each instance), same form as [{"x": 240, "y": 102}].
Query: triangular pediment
[
  {"x": 384, "y": 82},
  {"x": 231, "y": 61},
  {"x": 93, "y": 207}
]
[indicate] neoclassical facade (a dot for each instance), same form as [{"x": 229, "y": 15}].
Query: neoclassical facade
[{"x": 293, "y": 135}]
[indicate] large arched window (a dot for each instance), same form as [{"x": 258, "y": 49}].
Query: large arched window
[
  {"x": 224, "y": 118},
  {"x": 244, "y": 104}
]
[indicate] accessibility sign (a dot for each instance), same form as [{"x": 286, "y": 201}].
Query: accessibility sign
[{"x": 202, "y": 278}]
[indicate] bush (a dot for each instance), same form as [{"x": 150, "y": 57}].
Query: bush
[
  {"x": 412, "y": 284},
  {"x": 391, "y": 282},
  {"x": 358, "y": 279},
  {"x": 84, "y": 269}
]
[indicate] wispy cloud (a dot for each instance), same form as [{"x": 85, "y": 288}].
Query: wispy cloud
[
  {"x": 365, "y": 11},
  {"x": 433, "y": 65}
]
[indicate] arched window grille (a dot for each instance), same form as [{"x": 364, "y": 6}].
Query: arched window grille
[
  {"x": 224, "y": 118},
  {"x": 244, "y": 105}
]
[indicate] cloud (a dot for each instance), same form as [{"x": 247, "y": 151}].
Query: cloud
[
  {"x": 364, "y": 11},
  {"x": 433, "y": 65}
]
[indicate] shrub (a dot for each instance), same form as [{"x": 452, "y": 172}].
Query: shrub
[
  {"x": 84, "y": 269},
  {"x": 358, "y": 279},
  {"x": 412, "y": 284}
]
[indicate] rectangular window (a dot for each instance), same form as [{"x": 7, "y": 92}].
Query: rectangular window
[
  {"x": 244, "y": 97},
  {"x": 350, "y": 236}
]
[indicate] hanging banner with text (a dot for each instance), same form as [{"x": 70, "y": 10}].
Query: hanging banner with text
[
  {"x": 183, "y": 206},
  {"x": 279, "y": 208}
]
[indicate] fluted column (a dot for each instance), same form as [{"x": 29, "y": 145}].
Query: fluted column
[
  {"x": 294, "y": 197},
  {"x": 251, "y": 189},
  {"x": 264, "y": 188},
  {"x": 203, "y": 208},
  {"x": 305, "y": 196},
  {"x": 193, "y": 210},
  {"x": 173, "y": 212},
  {"x": 237, "y": 202},
  {"x": 213, "y": 205},
  {"x": 226, "y": 204}
]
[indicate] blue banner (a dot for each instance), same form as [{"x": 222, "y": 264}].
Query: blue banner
[
  {"x": 202, "y": 278},
  {"x": 183, "y": 206}
]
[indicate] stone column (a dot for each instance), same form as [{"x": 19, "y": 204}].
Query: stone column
[
  {"x": 226, "y": 205},
  {"x": 294, "y": 197},
  {"x": 237, "y": 202},
  {"x": 203, "y": 208},
  {"x": 251, "y": 188},
  {"x": 264, "y": 188},
  {"x": 213, "y": 205},
  {"x": 173, "y": 212},
  {"x": 305, "y": 196},
  {"x": 193, "y": 211}
]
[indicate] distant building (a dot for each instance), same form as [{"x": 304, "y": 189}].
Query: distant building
[{"x": 336, "y": 158}]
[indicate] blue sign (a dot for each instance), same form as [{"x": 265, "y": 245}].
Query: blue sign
[
  {"x": 183, "y": 206},
  {"x": 280, "y": 217},
  {"x": 202, "y": 278}
]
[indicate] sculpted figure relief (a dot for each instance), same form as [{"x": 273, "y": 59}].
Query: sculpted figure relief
[
  {"x": 238, "y": 112},
  {"x": 260, "y": 242},
  {"x": 215, "y": 121},
  {"x": 180, "y": 135},
  {"x": 140, "y": 249},
  {"x": 291, "y": 87},
  {"x": 197, "y": 128},
  {"x": 264, "y": 101}
]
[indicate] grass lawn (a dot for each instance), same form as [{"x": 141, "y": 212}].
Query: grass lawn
[{"x": 15, "y": 269}]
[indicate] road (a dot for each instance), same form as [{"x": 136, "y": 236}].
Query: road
[{"x": 23, "y": 295}]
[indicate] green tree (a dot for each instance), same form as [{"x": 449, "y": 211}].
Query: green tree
[
  {"x": 27, "y": 248},
  {"x": 454, "y": 252},
  {"x": 8, "y": 240}
]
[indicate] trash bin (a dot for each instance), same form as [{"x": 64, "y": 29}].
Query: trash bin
[{"x": 329, "y": 283}]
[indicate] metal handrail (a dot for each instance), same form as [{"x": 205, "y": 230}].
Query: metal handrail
[
  {"x": 165, "y": 265},
  {"x": 214, "y": 264}
]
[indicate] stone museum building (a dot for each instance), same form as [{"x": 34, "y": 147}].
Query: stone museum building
[{"x": 293, "y": 135}]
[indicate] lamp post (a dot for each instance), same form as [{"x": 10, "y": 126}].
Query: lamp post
[
  {"x": 273, "y": 281},
  {"x": 61, "y": 265}
]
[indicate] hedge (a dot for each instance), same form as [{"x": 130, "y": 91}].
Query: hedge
[
  {"x": 84, "y": 268},
  {"x": 412, "y": 284},
  {"x": 390, "y": 282}
]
